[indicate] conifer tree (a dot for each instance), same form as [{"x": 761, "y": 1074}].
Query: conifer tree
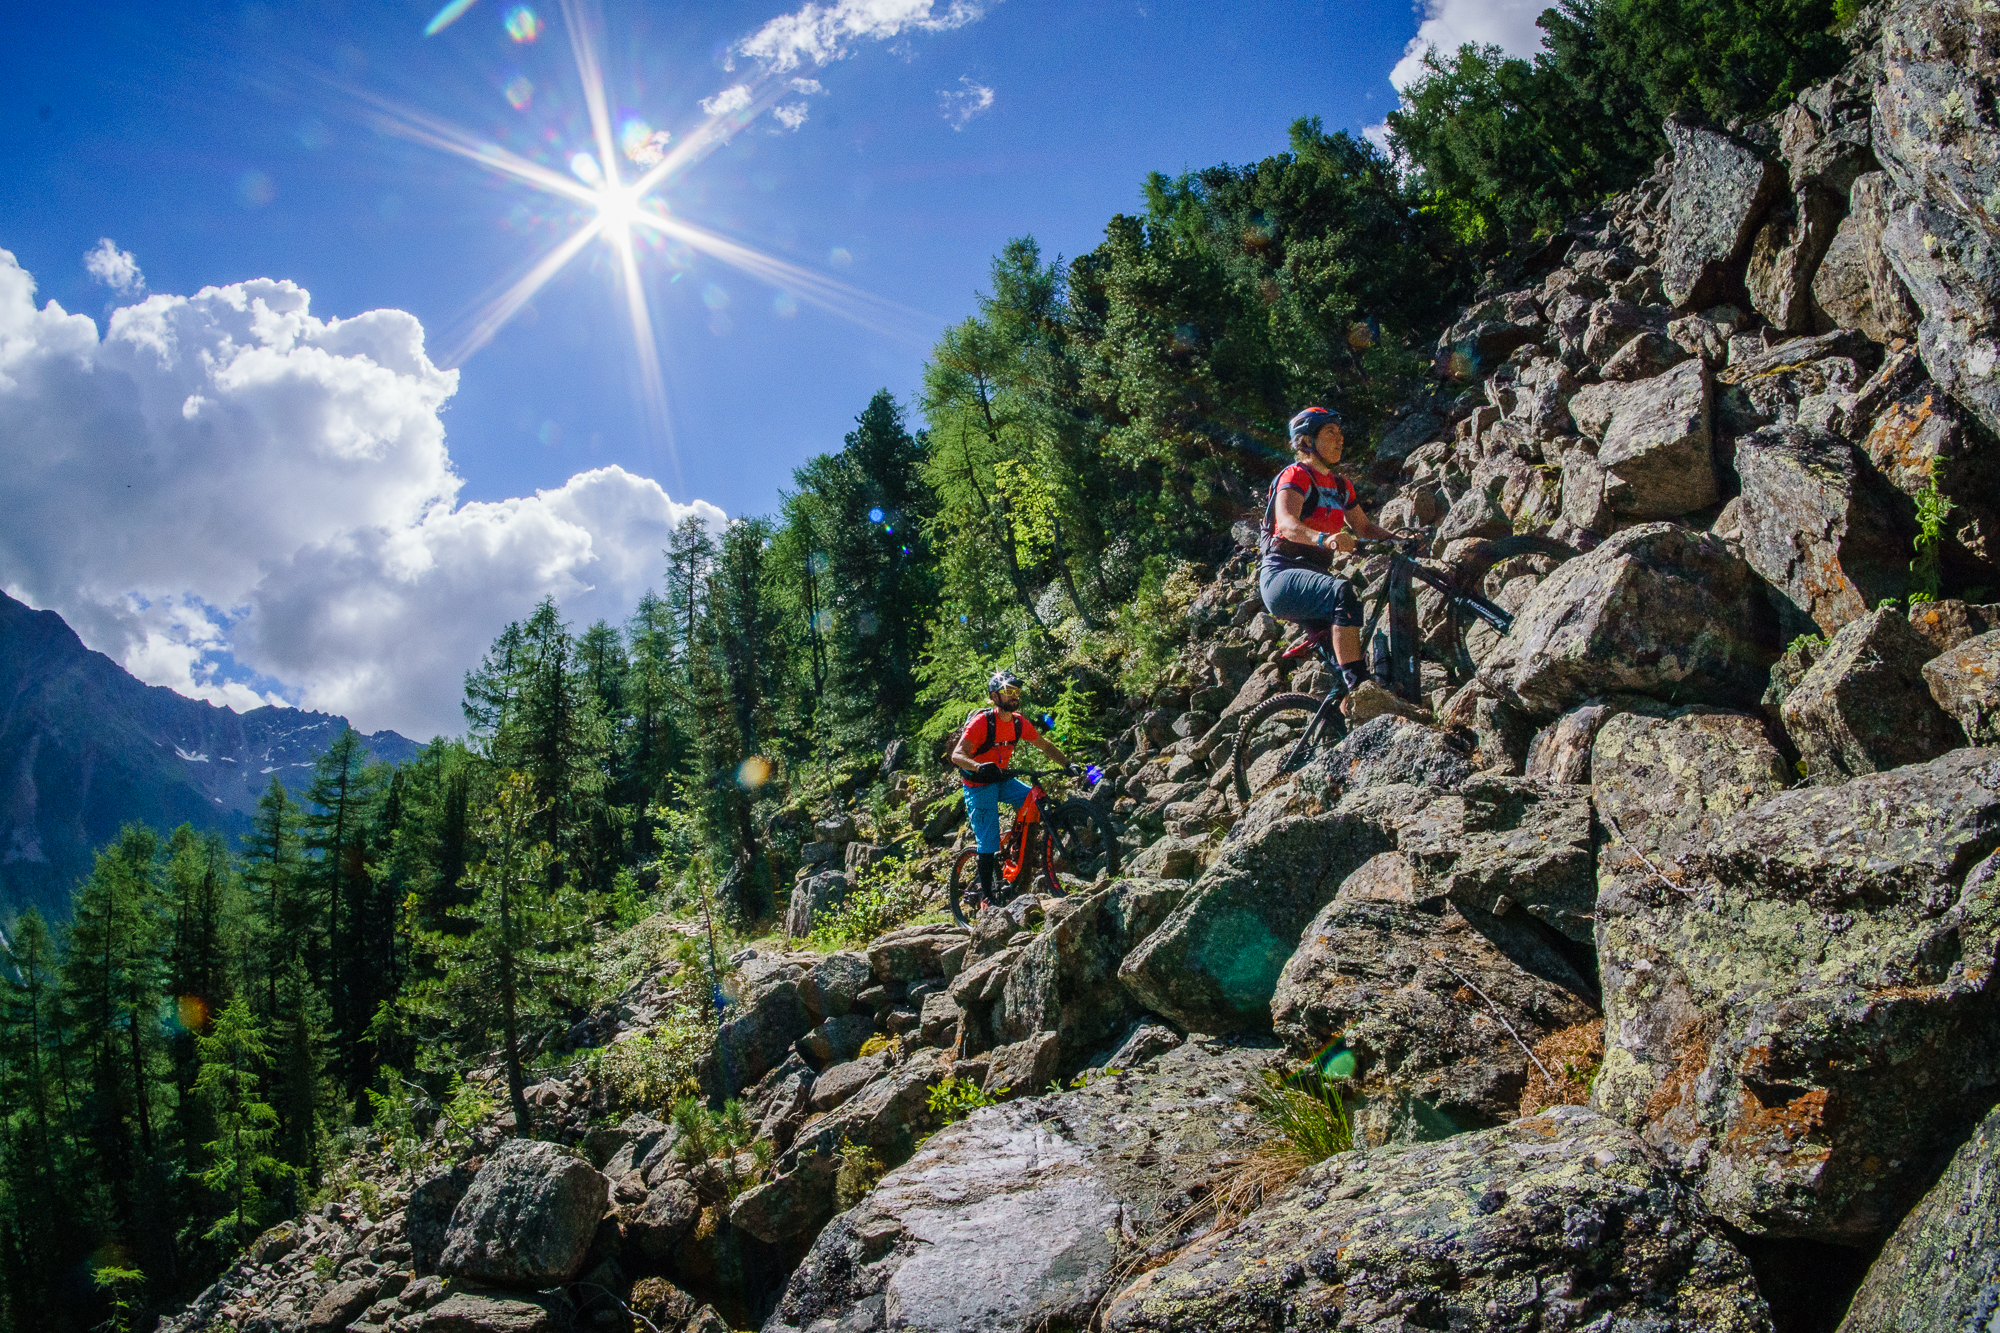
[
  {"x": 521, "y": 960},
  {"x": 341, "y": 803},
  {"x": 273, "y": 869},
  {"x": 301, "y": 1093},
  {"x": 240, "y": 1157}
]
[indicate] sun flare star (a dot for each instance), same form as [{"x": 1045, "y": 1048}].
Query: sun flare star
[{"x": 617, "y": 211}]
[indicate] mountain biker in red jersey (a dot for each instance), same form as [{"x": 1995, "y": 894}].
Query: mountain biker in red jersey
[
  {"x": 1313, "y": 512},
  {"x": 981, "y": 755}
]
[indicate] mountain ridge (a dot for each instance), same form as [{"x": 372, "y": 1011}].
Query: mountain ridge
[{"x": 86, "y": 747}]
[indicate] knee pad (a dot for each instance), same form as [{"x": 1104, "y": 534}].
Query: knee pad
[{"x": 1347, "y": 606}]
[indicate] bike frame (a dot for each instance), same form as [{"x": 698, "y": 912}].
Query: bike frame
[
  {"x": 1026, "y": 817},
  {"x": 1397, "y": 595}
]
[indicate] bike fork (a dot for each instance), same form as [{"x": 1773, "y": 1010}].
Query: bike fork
[{"x": 1332, "y": 700}]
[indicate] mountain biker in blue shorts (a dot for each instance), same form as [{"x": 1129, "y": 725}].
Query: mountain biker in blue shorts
[
  {"x": 985, "y": 746},
  {"x": 1313, "y": 512}
]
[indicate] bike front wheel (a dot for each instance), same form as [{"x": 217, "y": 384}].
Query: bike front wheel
[
  {"x": 1277, "y": 736},
  {"x": 964, "y": 873},
  {"x": 1080, "y": 842}
]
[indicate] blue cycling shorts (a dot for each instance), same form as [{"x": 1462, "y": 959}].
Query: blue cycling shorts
[{"x": 982, "y": 807}]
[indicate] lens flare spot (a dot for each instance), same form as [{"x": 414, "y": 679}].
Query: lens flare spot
[
  {"x": 586, "y": 169},
  {"x": 255, "y": 189},
  {"x": 1336, "y": 1060},
  {"x": 822, "y": 622},
  {"x": 753, "y": 772},
  {"x": 523, "y": 24},
  {"x": 875, "y": 515},
  {"x": 550, "y": 434},
  {"x": 785, "y": 304},
  {"x": 641, "y": 143},
  {"x": 714, "y": 297},
  {"x": 445, "y": 17},
  {"x": 192, "y": 1011},
  {"x": 520, "y": 91},
  {"x": 841, "y": 257}
]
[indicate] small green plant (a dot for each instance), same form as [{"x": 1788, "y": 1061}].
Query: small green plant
[
  {"x": 721, "y": 1136},
  {"x": 1307, "y": 1113},
  {"x": 956, "y": 1098},
  {"x": 879, "y": 1042},
  {"x": 123, "y": 1284},
  {"x": 1933, "y": 507},
  {"x": 883, "y": 898},
  {"x": 858, "y": 1172},
  {"x": 323, "y": 1267}
]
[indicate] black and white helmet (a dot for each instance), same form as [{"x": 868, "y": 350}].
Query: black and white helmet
[{"x": 1001, "y": 681}]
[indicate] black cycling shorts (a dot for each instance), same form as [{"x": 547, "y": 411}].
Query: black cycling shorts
[{"x": 1311, "y": 598}]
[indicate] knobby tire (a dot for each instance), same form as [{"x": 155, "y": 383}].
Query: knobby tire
[{"x": 1333, "y": 727}]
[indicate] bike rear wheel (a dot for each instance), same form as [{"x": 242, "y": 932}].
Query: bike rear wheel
[
  {"x": 1283, "y": 725},
  {"x": 964, "y": 873},
  {"x": 1080, "y": 841}
]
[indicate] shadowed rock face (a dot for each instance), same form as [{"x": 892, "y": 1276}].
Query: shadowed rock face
[
  {"x": 1801, "y": 1026},
  {"x": 1941, "y": 1270},
  {"x": 1387, "y": 971},
  {"x": 1563, "y": 1220},
  {"x": 1021, "y": 1216},
  {"x": 1965, "y": 681},
  {"x": 1863, "y": 707},
  {"x": 1717, "y": 192}
]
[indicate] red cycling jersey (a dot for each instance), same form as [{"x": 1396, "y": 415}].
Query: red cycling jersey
[{"x": 989, "y": 740}]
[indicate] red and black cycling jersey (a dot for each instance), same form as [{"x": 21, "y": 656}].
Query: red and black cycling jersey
[
  {"x": 990, "y": 740},
  {"x": 1327, "y": 499}
]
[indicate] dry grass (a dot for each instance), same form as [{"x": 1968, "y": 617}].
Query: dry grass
[{"x": 1572, "y": 1057}]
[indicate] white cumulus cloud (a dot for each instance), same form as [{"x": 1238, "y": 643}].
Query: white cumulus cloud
[
  {"x": 727, "y": 101},
  {"x": 1450, "y": 24},
  {"x": 791, "y": 115},
  {"x": 228, "y": 474},
  {"x": 965, "y": 101},
  {"x": 821, "y": 33},
  {"x": 115, "y": 268}
]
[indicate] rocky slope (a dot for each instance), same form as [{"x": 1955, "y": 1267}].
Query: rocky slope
[
  {"x": 85, "y": 748},
  {"x": 1657, "y": 961}
]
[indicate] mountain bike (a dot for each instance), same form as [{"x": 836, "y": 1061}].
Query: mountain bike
[
  {"x": 1396, "y": 650},
  {"x": 1071, "y": 836}
]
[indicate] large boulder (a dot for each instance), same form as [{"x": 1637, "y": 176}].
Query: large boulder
[
  {"x": 1562, "y": 1220},
  {"x": 1802, "y": 1016},
  {"x": 1864, "y": 707},
  {"x": 490, "y": 1312},
  {"x": 1663, "y": 782},
  {"x": 1856, "y": 286},
  {"x": 1387, "y": 974},
  {"x": 1657, "y": 451},
  {"x": 1965, "y": 681},
  {"x": 528, "y": 1218},
  {"x": 767, "y": 1015},
  {"x": 1066, "y": 981},
  {"x": 1020, "y": 1217},
  {"x": 427, "y": 1215},
  {"x": 1818, "y": 525},
  {"x": 1951, "y": 267},
  {"x": 1717, "y": 192},
  {"x": 1503, "y": 845},
  {"x": 1214, "y": 964},
  {"x": 1486, "y": 333},
  {"x": 1941, "y": 1268},
  {"x": 1656, "y": 610}
]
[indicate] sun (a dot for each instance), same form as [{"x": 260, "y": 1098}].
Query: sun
[{"x": 618, "y": 210}]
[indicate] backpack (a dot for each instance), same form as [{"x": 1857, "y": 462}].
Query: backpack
[
  {"x": 992, "y": 738},
  {"x": 1269, "y": 540}
]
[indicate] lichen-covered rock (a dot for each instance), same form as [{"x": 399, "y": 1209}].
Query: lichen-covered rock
[
  {"x": 1655, "y": 610},
  {"x": 1664, "y": 780},
  {"x": 488, "y": 1312},
  {"x": 1965, "y": 681},
  {"x": 1818, "y": 528},
  {"x": 1657, "y": 451},
  {"x": 1924, "y": 440},
  {"x": 655, "y": 1226},
  {"x": 527, "y": 1219},
  {"x": 427, "y": 1215},
  {"x": 1561, "y": 750},
  {"x": 1562, "y": 1220},
  {"x": 1387, "y": 972},
  {"x": 1799, "y": 381},
  {"x": 1018, "y": 1218},
  {"x": 1717, "y": 192},
  {"x": 1864, "y": 707},
  {"x": 1948, "y": 623},
  {"x": 767, "y": 1015},
  {"x": 1941, "y": 1269},
  {"x": 1809, "y": 1013},
  {"x": 913, "y": 952},
  {"x": 829, "y": 990}
]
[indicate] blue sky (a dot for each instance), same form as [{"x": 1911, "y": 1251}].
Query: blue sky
[{"x": 216, "y": 145}]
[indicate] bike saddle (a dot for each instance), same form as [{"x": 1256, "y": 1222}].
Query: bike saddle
[{"x": 1322, "y": 635}]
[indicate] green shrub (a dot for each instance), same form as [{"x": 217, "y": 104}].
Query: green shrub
[
  {"x": 1926, "y": 571},
  {"x": 956, "y": 1098},
  {"x": 883, "y": 899},
  {"x": 858, "y": 1172}
]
